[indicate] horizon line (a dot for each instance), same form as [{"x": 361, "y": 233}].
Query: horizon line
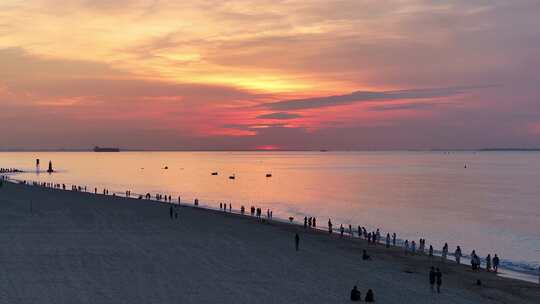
[{"x": 495, "y": 149}]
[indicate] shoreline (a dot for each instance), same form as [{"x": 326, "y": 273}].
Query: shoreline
[
  {"x": 390, "y": 274},
  {"x": 531, "y": 277}
]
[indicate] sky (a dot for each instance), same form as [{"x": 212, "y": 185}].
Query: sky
[{"x": 281, "y": 74}]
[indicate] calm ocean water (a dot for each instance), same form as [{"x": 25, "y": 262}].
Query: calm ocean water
[{"x": 492, "y": 206}]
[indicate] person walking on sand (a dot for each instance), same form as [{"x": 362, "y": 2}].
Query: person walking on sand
[
  {"x": 488, "y": 263},
  {"x": 394, "y": 239},
  {"x": 171, "y": 212},
  {"x": 438, "y": 276},
  {"x": 388, "y": 240},
  {"x": 329, "y": 226},
  {"x": 496, "y": 263},
  {"x": 413, "y": 247},
  {"x": 430, "y": 251},
  {"x": 297, "y": 242},
  {"x": 341, "y": 230},
  {"x": 432, "y": 278},
  {"x": 457, "y": 255}
]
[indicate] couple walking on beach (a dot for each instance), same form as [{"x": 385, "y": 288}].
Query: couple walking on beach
[
  {"x": 356, "y": 295},
  {"x": 435, "y": 276}
]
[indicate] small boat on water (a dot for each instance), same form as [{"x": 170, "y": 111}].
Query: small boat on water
[
  {"x": 214, "y": 173},
  {"x": 268, "y": 175},
  {"x": 232, "y": 177}
]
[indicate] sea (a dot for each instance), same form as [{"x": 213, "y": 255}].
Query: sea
[{"x": 484, "y": 201}]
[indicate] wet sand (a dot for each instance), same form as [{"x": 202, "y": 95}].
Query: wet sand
[{"x": 70, "y": 247}]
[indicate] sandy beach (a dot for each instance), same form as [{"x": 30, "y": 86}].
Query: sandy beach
[{"x": 71, "y": 247}]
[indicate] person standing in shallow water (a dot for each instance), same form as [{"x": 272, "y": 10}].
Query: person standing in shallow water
[
  {"x": 457, "y": 255},
  {"x": 496, "y": 263},
  {"x": 297, "y": 242},
  {"x": 406, "y": 246},
  {"x": 444, "y": 251},
  {"x": 488, "y": 263}
]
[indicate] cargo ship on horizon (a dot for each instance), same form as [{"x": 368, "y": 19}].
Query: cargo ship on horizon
[{"x": 100, "y": 149}]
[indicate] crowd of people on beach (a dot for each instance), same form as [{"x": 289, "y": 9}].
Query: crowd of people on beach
[{"x": 372, "y": 237}]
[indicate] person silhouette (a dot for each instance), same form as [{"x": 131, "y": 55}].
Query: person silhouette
[
  {"x": 438, "y": 276},
  {"x": 329, "y": 226},
  {"x": 457, "y": 255},
  {"x": 496, "y": 261},
  {"x": 297, "y": 242},
  {"x": 432, "y": 278},
  {"x": 355, "y": 294},
  {"x": 365, "y": 256},
  {"x": 369, "y": 296}
]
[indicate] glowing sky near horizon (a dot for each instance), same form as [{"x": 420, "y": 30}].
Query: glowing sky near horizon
[{"x": 245, "y": 74}]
